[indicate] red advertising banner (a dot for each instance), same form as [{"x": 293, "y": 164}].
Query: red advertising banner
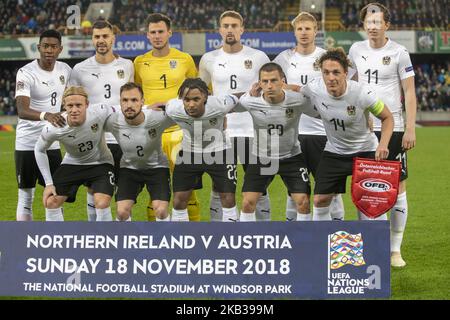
[{"x": 375, "y": 185}]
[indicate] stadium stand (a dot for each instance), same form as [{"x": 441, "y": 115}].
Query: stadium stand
[
  {"x": 433, "y": 87},
  {"x": 415, "y": 14},
  {"x": 7, "y": 91}
]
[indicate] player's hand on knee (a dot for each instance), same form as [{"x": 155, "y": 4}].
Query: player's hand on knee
[
  {"x": 56, "y": 119},
  {"x": 255, "y": 91},
  {"x": 49, "y": 191}
]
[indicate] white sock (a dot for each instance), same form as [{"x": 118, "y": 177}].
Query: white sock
[
  {"x": 166, "y": 219},
  {"x": 303, "y": 216},
  {"x": 247, "y": 217},
  {"x": 215, "y": 207},
  {"x": 399, "y": 216},
  {"x": 24, "y": 211},
  {"x": 90, "y": 207},
  {"x": 337, "y": 210},
  {"x": 104, "y": 214},
  {"x": 263, "y": 208},
  {"x": 291, "y": 209},
  {"x": 180, "y": 215},
  {"x": 53, "y": 214},
  {"x": 230, "y": 214},
  {"x": 321, "y": 214}
]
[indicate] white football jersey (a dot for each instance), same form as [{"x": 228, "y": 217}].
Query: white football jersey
[
  {"x": 103, "y": 81},
  {"x": 300, "y": 69},
  {"x": 45, "y": 90},
  {"x": 231, "y": 73},
  {"x": 276, "y": 125},
  {"x": 204, "y": 134},
  {"x": 345, "y": 118},
  {"x": 141, "y": 144},
  {"x": 383, "y": 69}
]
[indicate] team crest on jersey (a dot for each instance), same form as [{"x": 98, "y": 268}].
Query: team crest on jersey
[
  {"x": 121, "y": 74},
  {"x": 20, "y": 85},
  {"x": 213, "y": 121},
  {"x": 173, "y": 64},
  {"x": 94, "y": 127},
  {"x": 62, "y": 80},
  {"x": 152, "y": 133},
  {"x": 386, "y": 60},
  {"x": 351, "y": 110},
  {"x": 316, "y": 65},
  {"x": 248, "y": 64},
  {"x": 289, "y": 113}
]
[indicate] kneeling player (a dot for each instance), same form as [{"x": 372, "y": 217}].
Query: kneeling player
[
  {"x": 87, "y": 161},
  {"x": 205, "y": 147},
  {"x": 138, "y": 133},
  {"x": 344, "y": 107},
  {"x": 276, "y": 115}
]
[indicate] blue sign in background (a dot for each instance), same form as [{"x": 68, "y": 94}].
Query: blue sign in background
[
  {"x": 269, "y": 42},
  {"x": 300, "y": 270}
]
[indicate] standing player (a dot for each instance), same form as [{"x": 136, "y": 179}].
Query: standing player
[
  {"x": 205, "y": 147},
  {"x": 344, "y": 106},
  {"x": 143, "y": 163},
  {"x": 39, "y": 88},
  {"x": 87, "y": 161},
  {"x": 102, "y": 75},
  {"x": 300, "y": 67},
  {"x": 387, "y": 67},
  {"x": 234, "y": 68},
  {"x": 161, "y": 72},
  {"x": 276, "y": 115}
]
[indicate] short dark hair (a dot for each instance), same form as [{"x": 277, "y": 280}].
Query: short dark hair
[
  {"x": 335, "y": 54},
  {"x": 50, "y": 34},
  {"x": 193, "y": 83},
  {"x": 158, "y": 17},
  {"x": 373, "y": 8},
  {"x": 130, "y": 86},
  {"x": 101, "y": 24},
  {"x": 272, "y": 66}
]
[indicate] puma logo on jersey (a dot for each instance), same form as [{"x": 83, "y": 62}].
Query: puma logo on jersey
[
  {"x": 46, "y": 83},
  {"x": 365, "y": 58},
  {"x": 294, "y": 65},
  {"x": 231, "y": 219},
  {"x": 369, "y": 92},
  {"x": 95, "y": 74},
  {"x": 325, "y": 105},
  {"x": 126, "y": 135},
  {"x": 147, "y": 64},
  {"x": 71, "y": 136},
  {"x": 263, "y": 112},
  {"x": 222, "y": 64}
]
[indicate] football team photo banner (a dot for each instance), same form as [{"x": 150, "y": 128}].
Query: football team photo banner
[
  {"x": 375, "y": 185},
  {"x": 196, "y": 260}
]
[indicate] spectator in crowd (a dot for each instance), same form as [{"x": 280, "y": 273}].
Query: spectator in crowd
[{"x": 433, "y": 87}]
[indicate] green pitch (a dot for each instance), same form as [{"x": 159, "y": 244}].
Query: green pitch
[{"x": 425, "y": 247}]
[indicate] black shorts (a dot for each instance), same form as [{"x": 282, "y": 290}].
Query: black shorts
[
  {"x": 187, "y": 174},
  {"x": 292, "y": 171},
  {"x": 117, "y": 155},
  {"x": 68, "y": 178},
  {"x": 333, "y": 169},
  {"x": 242, "y": 148},
  {"x": 396, "y": 152},
  {"x": 312, "y": 149},
  {"x": 131, "y": 182},
  {"x": 27, "y": 171}
]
